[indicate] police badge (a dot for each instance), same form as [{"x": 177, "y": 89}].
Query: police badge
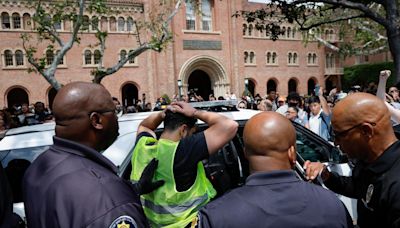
[{"x": 123, "y": 222}]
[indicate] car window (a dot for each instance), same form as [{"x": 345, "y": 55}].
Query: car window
[
  {"x": 15, "y": 163},
  {"x": 310, "y": 150}
]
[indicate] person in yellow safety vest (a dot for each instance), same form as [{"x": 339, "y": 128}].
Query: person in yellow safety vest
[{"x": 180, "y": 153}]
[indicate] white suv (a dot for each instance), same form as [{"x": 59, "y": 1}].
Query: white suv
[{"x": 227, "y": 169}]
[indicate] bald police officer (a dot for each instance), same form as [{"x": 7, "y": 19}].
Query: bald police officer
[
  {"x": 273, "y": 196},
  {"x": 363, "y": 130},
  {"x": 72, "y": 184}
]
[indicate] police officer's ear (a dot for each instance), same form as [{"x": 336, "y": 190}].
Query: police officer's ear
[
  {"x": 292, "y": 155},
  {"x": 367, "y": 130},
  {"x": 96, "y": 120}
]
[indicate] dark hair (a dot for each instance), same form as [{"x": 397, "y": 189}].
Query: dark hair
[
  {"x": 294, "y": 108},
  {"x": 314, "y": 99},
  {"x": 174, "y": 120},
  {"x": 294, "y": 96}
]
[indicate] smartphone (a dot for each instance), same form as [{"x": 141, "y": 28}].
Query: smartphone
[{"x": 316, "y": 90}]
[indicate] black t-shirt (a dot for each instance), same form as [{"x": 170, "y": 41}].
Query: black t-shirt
[{"x": 189, "y": 152}]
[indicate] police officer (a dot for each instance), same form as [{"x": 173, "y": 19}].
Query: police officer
[
  {"x": 72, "y": 184},
  {"x": 363, "y": 130},
  {"x": 180, "y": 153},
  {"x": 273, "y": 196}
]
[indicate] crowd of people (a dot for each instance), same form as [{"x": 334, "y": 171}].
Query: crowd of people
[{"x": 73, "y": 185}]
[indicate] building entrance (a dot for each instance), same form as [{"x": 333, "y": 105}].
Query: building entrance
[{"x": 200, "y": 83}]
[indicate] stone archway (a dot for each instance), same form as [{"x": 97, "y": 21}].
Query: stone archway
[
  {"x": 292, "y": 85},
  {"x": 200, "y": 83},
  {"x": 210, "y": 67},
  {"x": 17, "y": 96},
  {"x": 130, "y": 94}
]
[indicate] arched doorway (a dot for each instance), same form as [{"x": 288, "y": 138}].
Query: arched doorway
[
  {"x": 271, "y": 85},
  {"x": 251, "y": 87},
  {"x": 17, "y": 96},
  {"x": 209, "y": 66},
  {"x": 130, "y": 94},
  {"x": 292, "y": 85},
  {"x": 311, "y": 86},
  {"x": 200, "y": 83},
  {"x": 50, "y": 96}
]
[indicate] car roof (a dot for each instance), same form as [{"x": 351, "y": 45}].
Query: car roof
[{"x": 42, "y": 134}]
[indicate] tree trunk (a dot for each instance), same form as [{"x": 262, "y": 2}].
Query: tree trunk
[{"x": 394, "y": 46}]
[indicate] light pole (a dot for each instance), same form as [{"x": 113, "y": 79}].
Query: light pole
[
  {"x": 246, "y": 84},
  {"x": 179, "y": 90}
]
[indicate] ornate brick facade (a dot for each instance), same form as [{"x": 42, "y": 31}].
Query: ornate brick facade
[{"x": 212, "y": 52}]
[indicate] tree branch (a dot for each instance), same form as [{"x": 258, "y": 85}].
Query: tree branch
[
  {"x": 313, "y": 25},
  {"x": 352, "y": 5}
]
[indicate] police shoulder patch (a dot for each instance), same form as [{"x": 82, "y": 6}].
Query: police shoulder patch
[{"x": 123, "y": 221}]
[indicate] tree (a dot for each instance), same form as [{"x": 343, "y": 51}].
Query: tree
[
  {"x": 375, "y": 25},
  {"x": 156, "y": 33}
]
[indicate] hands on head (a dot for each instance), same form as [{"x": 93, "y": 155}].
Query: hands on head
[{"x": 182, "y": 107}]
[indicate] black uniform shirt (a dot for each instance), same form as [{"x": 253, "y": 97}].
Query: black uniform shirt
[
  {"x": 71, "y": 185},
  {"x": 377, "y": 188},
  {"x": 276, "y": 199}
]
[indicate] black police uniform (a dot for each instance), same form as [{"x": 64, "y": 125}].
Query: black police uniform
[
  {"x": 276, "y": 199},
  {"x": 377, "y": 188},
  {"x": 6, "y": 202},
  {"x": 71, "y": 185}
]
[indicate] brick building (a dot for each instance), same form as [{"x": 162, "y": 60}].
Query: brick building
[{"x": 213, "y": 52}]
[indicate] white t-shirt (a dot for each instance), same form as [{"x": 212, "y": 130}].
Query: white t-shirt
[{"x": 315, "y": 123}]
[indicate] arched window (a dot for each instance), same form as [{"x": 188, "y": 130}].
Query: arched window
[
  {"x": 97, "y": 56},
  {"x": 49, "y": 57},
  {"x": 190, "y": 16},
  {"x": 309, "y": 58},
  {"x": 113, "y": 24},
  {"x": 314, "y": 58},
  {"x": 252, "y": 57},
  {"x": 16, "y": 20},
  {"x": 104, "y": 24},
  {"x": 27, "y": 21},
  {"x": 57, "y": 25},
  {"x": 206, "y": 15},
  {"x": 88, "y": 57},
  {"x": 129, "y": 24},
  {"x": 246, "y": 56},
  {"x": 283, "y": 30},
  {"x": 85, "y": 23},
  {"x": 268, "y": 57},
  {"x": 122, "y": 55},
  {"x": 8, "y": 58},
  {"x": 5, "y": 21},
  {"x": 95, "y": 23},
  {"x": 121, "y": 24},
  {"x": 289, "y": 32},
  {"x": 294, "y": 33},
  {"x": 294, "y": 58},
  {"x": 244, "y": 29},
  {"x": 132, "y": 61},
  {"x": 250, "y": 30},
  {"x": 274, "y": 56},
  {"x": 19, "y": 58},
  {"x": 290, "y": 58}
]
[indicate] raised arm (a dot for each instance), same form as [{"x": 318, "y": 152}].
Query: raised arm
[
  {"x": 220, "y": 130},
  {"x": 324, "y": 103},
  {"x": 383, "y": 77},
  {"x": 151, "y": 123}
]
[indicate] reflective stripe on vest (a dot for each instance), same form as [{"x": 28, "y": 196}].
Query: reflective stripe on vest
[{"x": 174, "y": 209}]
